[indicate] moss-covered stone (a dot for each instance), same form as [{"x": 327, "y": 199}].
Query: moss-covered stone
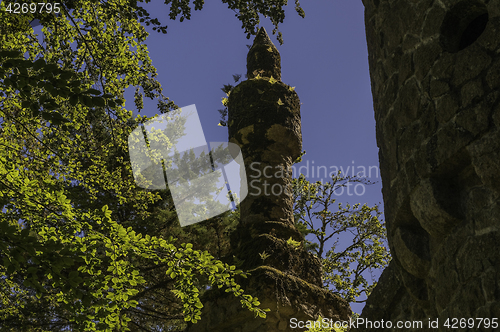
[
  {"x": 264, "y": 120},
  {"x": 263, "y": 59},
  {"x": 265, "y": 123},
  {"x": 287, "y": 296}
]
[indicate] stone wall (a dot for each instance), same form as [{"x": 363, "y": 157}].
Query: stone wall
[{"x": 435, "y": 73}]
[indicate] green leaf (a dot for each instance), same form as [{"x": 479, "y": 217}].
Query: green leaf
[
  {"x": 73, "y": 99},
  {"x": 51, "y": 67},
  {"x": 93, "y": 92},
  {"x": 86, "y": 100},
  {"x": 98, "y": 101},
  {"x": 54, "y": 117},
  {"x": 10, "y": 54},
  {"x": 26, "y": 104},
  {"x": 66, "y": 75}
]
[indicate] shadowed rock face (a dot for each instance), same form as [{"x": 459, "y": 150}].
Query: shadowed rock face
[
  {"x": 264, "y": 120},
  {"x": 435, "y": 74}
]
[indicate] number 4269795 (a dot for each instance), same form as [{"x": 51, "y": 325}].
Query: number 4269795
[{"x": 40, "y": 7}]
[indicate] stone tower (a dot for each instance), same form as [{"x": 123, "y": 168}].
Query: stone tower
[
  {"x": 264, "y": 120},
  {"x": 435, "y": 73}
]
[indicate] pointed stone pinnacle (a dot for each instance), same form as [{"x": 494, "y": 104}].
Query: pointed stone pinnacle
[
  {"x": 262, "y": 38},
  {"x": 263, "y": 59}
]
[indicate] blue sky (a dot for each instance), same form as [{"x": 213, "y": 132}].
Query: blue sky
[{"x": 324, "y": 56}]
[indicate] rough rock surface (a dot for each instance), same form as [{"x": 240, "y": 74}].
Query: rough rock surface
[{"x": 435, "y": 73}]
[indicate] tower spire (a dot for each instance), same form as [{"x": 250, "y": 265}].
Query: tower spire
[
  {"x": 264, "y": 121},
  {"x": 263, "y": 59}
]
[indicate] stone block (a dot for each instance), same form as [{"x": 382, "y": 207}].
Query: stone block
[
  {"x": 416, "y": 288},
  {"x": 392, "y": 37},
  {"x": 405, "y": 67},
  {"x": 489, "y": 285},
  {"x": 451, "y": 138},
  {"x": 496, "y": 115},
  {"x": 471, "y": 92},
  {"x": 443, "y": 67},
  {"x": 424, "y": 57},
  {"x": 469, "y": 64},
  {"x": 475, "y": 120},
  {"x": 434, "y": 203},
  {"x": 432, "y": 22},
  {"x": 427, "y": 119},
  {"x": 485, "y": 154},
  {"x": 412, "y": 177},
  {"x": 438, "y": 88},
  {"x": 493, "y": 76},
  {"x": 489, "y": 38},
  {"x": 408, "y": 141},
  {"x": 389, "y": 95},
  {"x": 410, "y": 41},
  {"x": 412, "y": 250},
  {"x": 408, "y": 102},
  {"x": 420, "y": 161},
  {"x": 446, "y": 107}
]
